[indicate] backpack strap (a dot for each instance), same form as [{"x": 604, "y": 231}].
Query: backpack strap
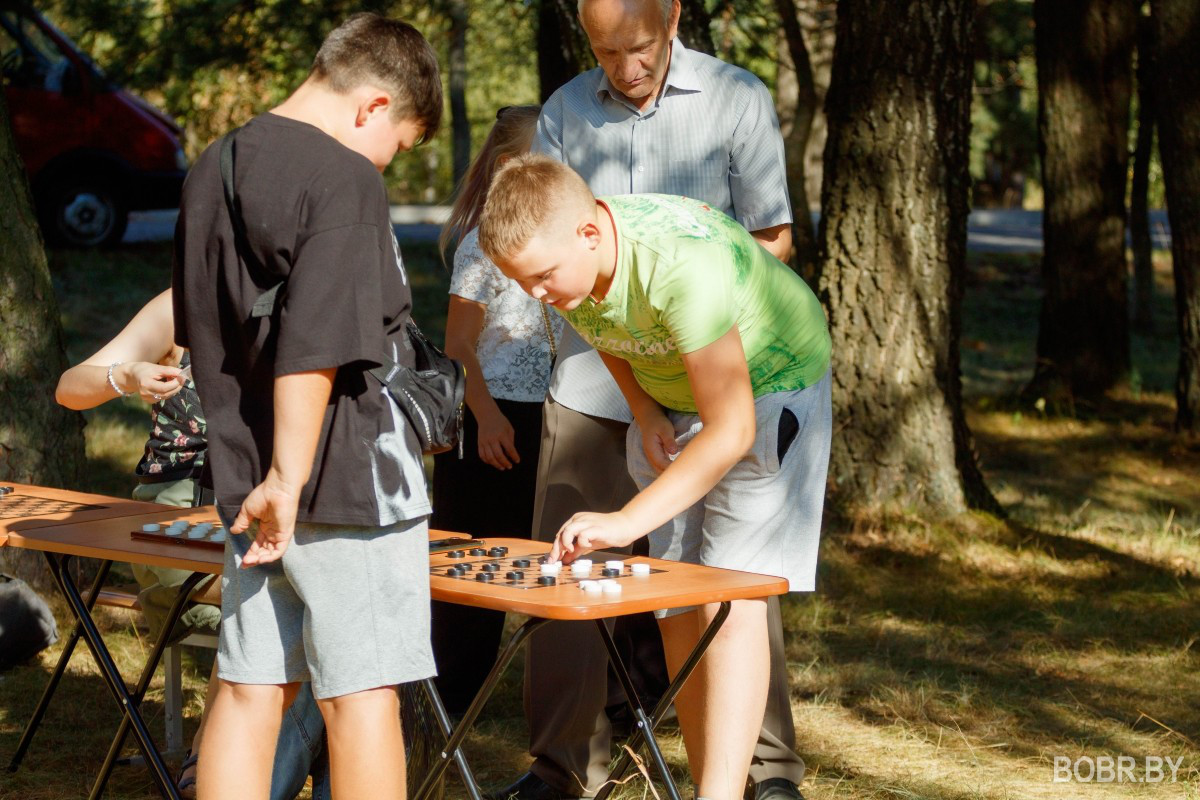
[{"x": 268, "y": 301}]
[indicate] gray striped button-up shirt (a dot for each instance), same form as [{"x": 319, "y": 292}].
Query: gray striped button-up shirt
[{"x": 712, "y": 134}]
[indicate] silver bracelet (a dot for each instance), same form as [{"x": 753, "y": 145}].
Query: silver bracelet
[{"x": 113, "y": 383}]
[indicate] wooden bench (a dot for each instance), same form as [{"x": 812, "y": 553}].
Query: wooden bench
[{"x": 121, "y": 597}]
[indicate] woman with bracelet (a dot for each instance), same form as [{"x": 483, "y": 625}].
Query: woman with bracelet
[{"x": 144, "y": 360}]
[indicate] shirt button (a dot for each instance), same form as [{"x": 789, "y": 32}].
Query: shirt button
[{"x": 641, "y": 168}]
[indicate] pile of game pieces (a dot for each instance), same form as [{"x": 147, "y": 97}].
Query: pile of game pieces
[{"x": 183, "y": 531}]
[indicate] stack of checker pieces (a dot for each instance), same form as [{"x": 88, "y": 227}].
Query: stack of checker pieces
[{"x": 206, "y": 535}]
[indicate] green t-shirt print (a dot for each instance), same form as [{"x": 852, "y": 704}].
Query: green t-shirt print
[{"x": 686, "y": 273}]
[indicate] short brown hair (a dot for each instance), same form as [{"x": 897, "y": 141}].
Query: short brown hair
[
  {"x": 393, "y": 55},
  {"x": 523, "y": 197}
]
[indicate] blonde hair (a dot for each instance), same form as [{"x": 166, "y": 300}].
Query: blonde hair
[
  {"x": 526, "y": 192},
  {"x": 511, "y": 135}
]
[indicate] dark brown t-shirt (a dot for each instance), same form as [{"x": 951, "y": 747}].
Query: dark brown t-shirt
[{"x": 316, "y": 216}]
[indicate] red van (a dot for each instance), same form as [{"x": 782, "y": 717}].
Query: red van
[{"x": 93, "y": 151}]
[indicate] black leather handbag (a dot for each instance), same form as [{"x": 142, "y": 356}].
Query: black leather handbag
[{"x": 430, "y": 394}]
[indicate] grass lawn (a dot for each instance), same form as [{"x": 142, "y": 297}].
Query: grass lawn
[{"x": 940, "y": 659}]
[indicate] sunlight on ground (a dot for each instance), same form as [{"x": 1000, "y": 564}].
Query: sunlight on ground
[{"x": 948, "y": 660}]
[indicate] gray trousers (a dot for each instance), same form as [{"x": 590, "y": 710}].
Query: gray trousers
[{"x": 582, "y": 468}]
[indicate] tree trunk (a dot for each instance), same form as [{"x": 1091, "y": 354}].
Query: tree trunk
[
  {"x": 1084, "y": 64},
  {"x": 1139, "y": 212},
  {"x": 40, "y": 441},
  {"x": 695, "y": 26},
  {"x": 1176, "y": 32},
  {"x": 560, "y": 43},
  {"x": 893, "y": 239},
  {"x": 818, "y": 18},
  {"x": 795, "y": 56},
  {"x": 460, "y": 123}
]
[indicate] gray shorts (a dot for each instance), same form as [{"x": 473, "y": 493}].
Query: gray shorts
[
  {"x": 764, "y": 516},
  {"x": 346, "y": 608}
]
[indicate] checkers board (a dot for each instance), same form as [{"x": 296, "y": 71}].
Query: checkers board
[
  {"x": 24, "y": 507},
  {"x": 495, "y": 566},
  {"x": 667, "y": 584},
  {"x": 14, "y": 504}
]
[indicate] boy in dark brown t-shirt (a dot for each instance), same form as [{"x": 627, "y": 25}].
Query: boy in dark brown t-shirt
[{"x": 311, "y": 459}]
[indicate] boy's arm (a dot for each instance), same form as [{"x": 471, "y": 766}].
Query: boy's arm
[
  {"x": 300, "y": 401},
  {"x": 720, "y": 382},
  {"x": 658, "y": 434}
]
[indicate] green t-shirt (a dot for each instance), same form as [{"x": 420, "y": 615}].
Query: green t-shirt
[{"x": 686, "y": 273}]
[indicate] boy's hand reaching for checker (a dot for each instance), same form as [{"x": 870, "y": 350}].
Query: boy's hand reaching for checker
[{"x": 587, "y": 531}]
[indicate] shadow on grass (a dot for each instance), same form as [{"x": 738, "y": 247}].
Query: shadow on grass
[
  {"x": 69, "y": 746},
  {"x": 1002, "y": 633},
  {"x": 1124, "y": 458}
]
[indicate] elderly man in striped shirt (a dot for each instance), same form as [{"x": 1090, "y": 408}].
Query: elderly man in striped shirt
[{"x": 653, "y": 117}]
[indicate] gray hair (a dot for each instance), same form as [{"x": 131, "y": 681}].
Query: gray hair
[{"x": 664, "y": 7}]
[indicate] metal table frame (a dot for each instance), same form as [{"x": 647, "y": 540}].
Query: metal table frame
[
  {"x": 128, "y": 701},
  {"x": 643, "y": 732}
]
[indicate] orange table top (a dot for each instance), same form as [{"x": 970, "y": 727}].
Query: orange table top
[
  {"x": 110, "y": 539},
  {"x": 671, "y": 584},
  {"x": 28, "y": 507},
  {"x": 105, "y": 534}
]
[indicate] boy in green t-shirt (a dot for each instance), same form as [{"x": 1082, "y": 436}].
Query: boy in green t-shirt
[{"x": 723, "y": 355}]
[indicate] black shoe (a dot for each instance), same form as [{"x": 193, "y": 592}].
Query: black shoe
[
  {"x": 776, "y": 789},
  {"x": 529, "y": 787}
]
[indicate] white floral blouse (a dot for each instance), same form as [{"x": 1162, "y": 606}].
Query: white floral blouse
[{"x": 512, "y": 349}]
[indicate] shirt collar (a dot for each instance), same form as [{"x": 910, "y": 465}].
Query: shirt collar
[{"x": 681, "y": 75}]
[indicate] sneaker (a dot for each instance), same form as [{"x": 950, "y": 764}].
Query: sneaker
[
  {"x": 529, "y": 787},
  {"x": 777, "y": 789}
]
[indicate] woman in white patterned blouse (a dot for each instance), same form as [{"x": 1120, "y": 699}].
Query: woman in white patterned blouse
[{"x": 506, "y": 339}]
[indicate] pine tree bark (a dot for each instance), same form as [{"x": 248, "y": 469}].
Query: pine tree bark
[
  {"x": 460, "y": 123},
  {"x": 560, "y": 45},
  {"x": 1084, "y": 64},
  {"x": 40, "y": 441},
  {"x": 1139, "y": 186},
  {"x": 893, "y": 240},
  {"x": 1176, "y": 32},
  {"x": 795, "y": 141}
]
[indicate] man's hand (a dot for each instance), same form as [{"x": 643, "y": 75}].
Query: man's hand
[
  {"x": 587, "y": 531},
  {"x": 273, "y": 505}
]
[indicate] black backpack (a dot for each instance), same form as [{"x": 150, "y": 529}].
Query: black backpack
[{"x": 26, "y": 623}]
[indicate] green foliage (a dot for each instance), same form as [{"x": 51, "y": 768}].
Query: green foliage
[
  {"x": 213, "y": 64},
  {"x": 1004, "y": 111},
  {"x": 747, "y": 33}
]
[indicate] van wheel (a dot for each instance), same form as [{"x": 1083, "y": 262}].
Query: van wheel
[{"x": 83, "y": 212}]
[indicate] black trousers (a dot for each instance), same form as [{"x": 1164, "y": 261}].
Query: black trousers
[{"x": 470, "y": 496}]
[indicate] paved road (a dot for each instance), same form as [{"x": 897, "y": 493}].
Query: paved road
[{"x": 1000, "y": 231}]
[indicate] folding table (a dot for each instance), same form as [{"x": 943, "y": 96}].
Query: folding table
[
  {"x": 670, "y": 584},
  {"x": 101, "y": 530}
]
